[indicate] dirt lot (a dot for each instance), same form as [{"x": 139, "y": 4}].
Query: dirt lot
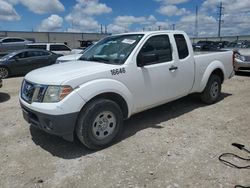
[{"x": 175, "y": 145}]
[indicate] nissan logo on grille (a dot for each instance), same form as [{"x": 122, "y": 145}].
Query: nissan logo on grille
[{"x": 28, "y": 91}]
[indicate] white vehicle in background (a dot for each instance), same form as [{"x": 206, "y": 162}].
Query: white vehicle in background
[
  {"x": 120, "y": 76},
  {"x": 68, "y": 58},
  {"x": 73, "y": 57},
  {"x": 58, "y": 48}
]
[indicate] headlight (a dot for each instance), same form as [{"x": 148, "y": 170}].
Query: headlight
[
  {"x": 240, "y": 57},
  {"x": 56, "y": 93}
]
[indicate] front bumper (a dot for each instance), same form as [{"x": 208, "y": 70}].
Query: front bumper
[
  {"x": 60, "y": 125},
  {"x": 241, "y": 66}
]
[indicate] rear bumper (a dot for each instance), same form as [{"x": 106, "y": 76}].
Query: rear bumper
[{"x": 60, "y": 125}]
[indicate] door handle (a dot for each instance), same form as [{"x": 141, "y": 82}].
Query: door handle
[{"x": 173, "y": 68}]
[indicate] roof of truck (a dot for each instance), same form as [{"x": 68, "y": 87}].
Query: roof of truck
[{"x": 152, "y": 32}]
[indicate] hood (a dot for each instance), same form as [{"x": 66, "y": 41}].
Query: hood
[
  {"x": 73, "y": 57},
  {"x": 61, "y": 73},
  {"x": 244, "y": 51}
]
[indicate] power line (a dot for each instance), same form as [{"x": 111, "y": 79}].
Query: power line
[{"x": 220, "y": 8}]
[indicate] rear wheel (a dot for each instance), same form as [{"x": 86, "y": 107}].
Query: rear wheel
[
  {"x": 99, "y": 124},
  {"x": 212, "y": 90},
  {"x": 4, "y": 72}
]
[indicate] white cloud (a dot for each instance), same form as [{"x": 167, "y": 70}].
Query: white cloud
[
  {"x": 172, "y": 2},
  {"x": 172, "y": 10},
  {"x": 7, "y": 12},
  {"x": 123, "y": 24},
  {"x": 113, "y": 28},
  {"x": 82, "y": 15},
  {"x": 41, "y": 6},
  {"x": 231, "y": 6},
  {"x": 127, "y": 21},
  {"x": 52, "y": 23},
  {"x": 91, "y": 7}
]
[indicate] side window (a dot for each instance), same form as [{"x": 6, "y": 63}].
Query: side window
[
  {"x": 7, "y": 41},
  {"x": 21, "y": 55},
  {"x": 44, "y": 53},
  {"x": 156, "y": 50},
  {"x": 181, "y": 46},
  {"x": 17, "y": 40},
  {"x": 59, "y": 48}
]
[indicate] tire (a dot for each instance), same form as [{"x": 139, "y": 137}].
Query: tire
[
  {"x": 4, "y": 72},
  {"x": 99, "y": 124},
  {"x": 212, "y": 91}
]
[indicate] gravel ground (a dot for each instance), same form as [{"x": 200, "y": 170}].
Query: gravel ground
[{"x": 174, "y": 145}]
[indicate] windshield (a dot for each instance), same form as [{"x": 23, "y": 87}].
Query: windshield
[
  {"x": 112, "y": 50},
  {"x": 8, "y": 56}
]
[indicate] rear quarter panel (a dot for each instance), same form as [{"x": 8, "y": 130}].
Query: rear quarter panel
[{"x": 205, "y": 64}]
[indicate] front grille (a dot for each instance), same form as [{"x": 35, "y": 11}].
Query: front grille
[
  {"x": 32, "y": 92},
  {"x": 28, "y": 90}
]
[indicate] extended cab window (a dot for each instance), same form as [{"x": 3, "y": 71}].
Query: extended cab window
[
  {"x": 156, "y": 50},
  {"x": 181, "y": 46}
]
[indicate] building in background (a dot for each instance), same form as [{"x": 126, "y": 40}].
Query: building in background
[{"x": 73, "y": 40}]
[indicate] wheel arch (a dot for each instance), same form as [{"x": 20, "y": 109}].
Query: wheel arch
[
  {"x": 116, "y": 98},
  {"x": 216, "y": 68}
]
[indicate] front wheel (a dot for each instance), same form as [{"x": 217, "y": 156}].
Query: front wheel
[
  {"x": 99, "y": 124},
  {"x": 212, "y": 90}
]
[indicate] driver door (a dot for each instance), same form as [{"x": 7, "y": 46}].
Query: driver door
[{"x": 157, "y": 72}]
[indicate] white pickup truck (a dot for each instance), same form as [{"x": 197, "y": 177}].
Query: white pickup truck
[{"x": 119, "y": 76}]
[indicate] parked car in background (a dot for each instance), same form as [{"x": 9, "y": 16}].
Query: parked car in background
[
  {"x": 242, "y": 63},
  {"x": 205, "y": 45},
  {"x": 245, "y": 50},
  {"x": 73, "y": 57},
  {"x": 23, "y": 61},
  {"x": 221, "y": 44},
  {"x": 58, "y": 48},
  {"x": 9, "y": 44}
]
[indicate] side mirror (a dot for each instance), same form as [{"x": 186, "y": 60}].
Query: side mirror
[{"x": 146, "y": 58}]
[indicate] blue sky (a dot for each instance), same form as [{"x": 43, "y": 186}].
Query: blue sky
[{"x": 124, "y": 15}]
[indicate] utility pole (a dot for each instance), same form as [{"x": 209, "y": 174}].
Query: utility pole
[
  {"x": 220, "y": 9},
  {"x": 173, "y": 26},
  {"x": 196, "y": 22},
  {"x": 106, "y": 29},
  {"x": 101, "y": 29}
]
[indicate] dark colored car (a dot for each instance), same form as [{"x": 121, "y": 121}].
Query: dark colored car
[
  {"x": 205, "y": 45},
  {"x": 221, "y": 44},
  {"x": 23, "y": 61}
]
